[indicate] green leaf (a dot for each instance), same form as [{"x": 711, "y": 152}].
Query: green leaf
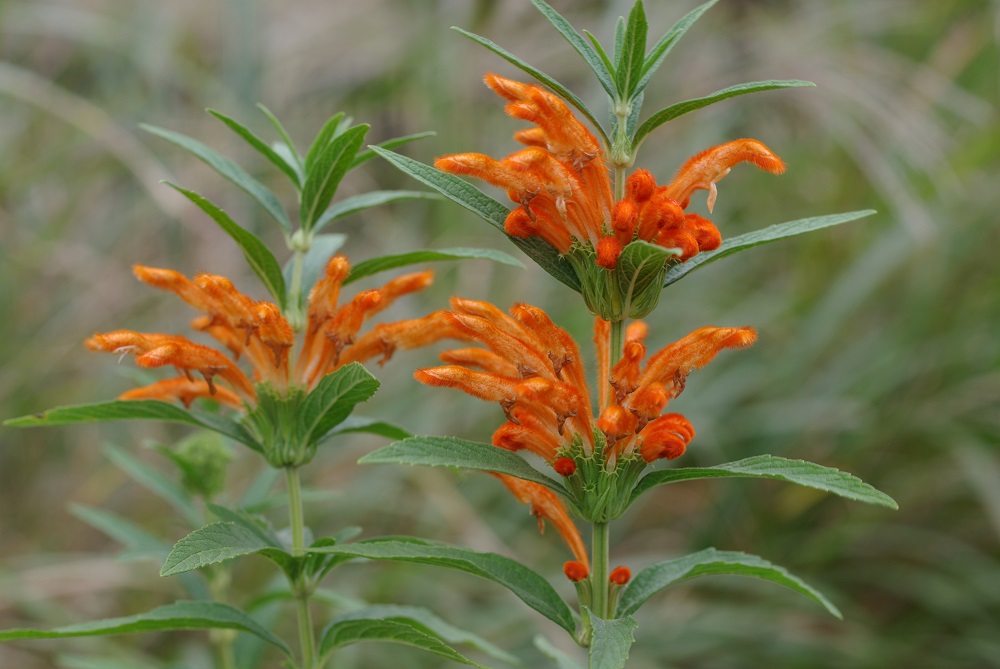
[
  {"x": 253, "y": 523},
  {"x": 325, "y": 174},
  {"x": 654, "y": 578},
  {"x": 105, "y": 412},
  {"x": 454, "y": 452},
  {"x": 667, "y": 42},
  {"x": 578, "y": 43},
  {"x": 263, "y": 147},
  {"x": 804, "y": 473},
  {"x": 315, "y": 259},
  {"x": 356, "y": 203},
  {"x": 260, "y": 258},
  {"x": 486, "y": 208},
  {"x": 601, "y": 53},
  {"x": 184, "y": 615},
  {"x": 334, "y": 399},
  {"x": 228, "y": 169},
  {"x": 562, "y": 660},
  {"x": 619, "y": 42},
  {"x": 160, "y": 485},
  {"x": 681, "y": 108},
  {"x": 611, "y": 641},
  {"x": 138, "y": 542},
  {"x": 763, "y": 236},
  {"x": 293, "y": 154},
  {"x": 322, "y": 139},
  {"x": 342, "y": 632},
  {"x": 633, "y": 53},
  {"x": 556, "y": 87},
  {"x": 368, "y": 154},
  {"x": 529, "y": 586},
  {"x": 218, "y": 542},
  {"x": 425, "y": 621},
  {"x": 639, "y": 272},
  {"x": 371, "y": 426},
  {"x": 383, "y": 263}
]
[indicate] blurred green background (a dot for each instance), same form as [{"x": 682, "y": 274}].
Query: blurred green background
[{"x": 879, "y": 349}]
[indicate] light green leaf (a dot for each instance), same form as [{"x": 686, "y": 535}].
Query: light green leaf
[
  {"x": 184, "y": 615},
  {"x": 654, "y": 578},
  {"x": 667, "y": 42},
  {"x": 763, "y": 236},
  {"x": 427, "y": 622},
  {"x": 105, "y": 412},
  {"x": 453, "y": 452},
  {"x": 578, "y": 43},
  {"x": 157, "y": 483},
  {"x": 486, "y": 208},
  {"x": 804, "y": 473},
  {"x": 639, "y": 272},
  {"x": 368, "y": 154},
  {"x": 562, "y": 660},
  {"x": 529, "y": 586},
  {"x": 218, "y": 542},
  {"x": 138, "y": 542},
  {"x": 383, "y": 263},
  {"x": 260, "y": 258},
  {"x": 611, "y": 641},
  {"x": 356, "y": 203},
  {"x": 633, "y": 53},
  {"x": 253, "y": 523},
  {"x": 554, "y": 85},
  {"x": 334, "y": 399},
  {"x": 293, "y": 154},
  {"x": 315, "y": 259},
  {"x": 687, "y": 106},
  {"x": 228, "y": 169},
  {"x": 601, "y": 53},
  {"x": 326, "y": 173},
  {"x": 342, "y": 632},
  {"x": 263, "y": 147},
  {"x": 371, "y": 426},
  {"x": 322, "y": 140}
]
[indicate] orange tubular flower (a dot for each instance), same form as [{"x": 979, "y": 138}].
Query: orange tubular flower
[
  {"x": 258, "y": 333},
  {"x": 564, "y": 192}
]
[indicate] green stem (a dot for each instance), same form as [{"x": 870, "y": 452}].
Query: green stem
[
  {"x": 295, "y": 316},
  {"x": 617, "y": 343},
  {"x": 300, "y": 587},
  {"x": 619, "y": 183},
  {"x": 599, "y": 583}
]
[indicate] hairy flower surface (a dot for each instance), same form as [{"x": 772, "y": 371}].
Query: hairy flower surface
[{"x": 563, "y": 187}]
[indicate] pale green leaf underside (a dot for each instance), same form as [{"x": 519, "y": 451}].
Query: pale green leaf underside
[
  {"x": 431, "y": 451},
  {"x": 804, "y": 473},
  {"x": 710, "y": 561},
  {"x": 763, "y": 236},
  {"x": 384, "y": 263},
  {"x": 184, "y": 615},
  {"x": 611, "y": 641}
]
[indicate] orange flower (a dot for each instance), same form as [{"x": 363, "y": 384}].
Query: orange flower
[
  {"x": 564, "y": 192},
  {"x": 258, "y": 332}
]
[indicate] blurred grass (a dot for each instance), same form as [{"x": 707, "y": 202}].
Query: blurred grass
[{"x": 878, "y": 351}]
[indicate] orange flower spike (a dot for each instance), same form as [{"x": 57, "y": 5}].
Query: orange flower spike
[
  {"x": 488, "y": 361},
  {"x": 183, "y": 390},
  {"x": 561, "y": 398},
  {"x": 325, "y": 293},
  {"x": 514, "y": 437},
  {"x": 520, "y": 223},
  {"x": 387, "y": 338},
  {"x": 616, "y": 423},
  {"x": 703, "y": 170},
  {"x": 602, "y": 329},
  {"x": 229, "y": 304},
  {"x": 522, "y": 353},
  {"x": 648, "y": 401},
  {"x": 620, "y": 575},
  {"x": 545, "y": 505},
  {"x": 188, "y": 356},
  {"x": 704, "y": 231},
  {"x": 494, "y": 172},
  {"x": 532, "y": 137},
  {"x": 560, "y": 347},
  {"x": 624, "y": 220},
  {"x": 403, "y": 285},
  {"x": 119, "y": 341},
  {"x": 658, "y": 214},
  {"x": 678, "y": 238},
  {"x": 175, "y": 282},
  {"x": 624, "y": 377},
  {"x": 575, "y": 571},
  {"x": 640, "y": 186},
  {"x": 489, "y": 387},
  {"x": 608, "y": 250},
  {"x": 674, "y": 362},
  {"x": 666, "y": 437},
  {"x": 636, "y": 331},
  {"x": 274, "y": 332},
  {"x": 349, "y": 318},
  {"x": 564, "y": 466}
]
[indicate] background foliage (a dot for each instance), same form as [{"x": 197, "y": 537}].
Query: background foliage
[{"x": 878, "y": 351}]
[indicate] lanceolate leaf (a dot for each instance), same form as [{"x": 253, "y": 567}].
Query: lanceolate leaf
[
  {"x": 289, "y": 144},
  {"x": 229, "y": 170},
  {"x": 390, "y": 144},
  {"x": 554, "y": 85},
  {"x": 633, "y": 54},
  {"x": 762, "y": 236},
  {"x": 137, "y": 541},
  {"x": 105, "y": 412},
  {"x": 804, "y": 473},
  {"x": 218, "y": 542},
  {"x": 681, "y": 108},
  {"x": 654, "y": 578},
  {"x": 157, "y": 483},
  {"x": 342, "y": 632},
  {"x": 334, "y": 399},
  {"x": 322, "y": 139},
  {"x": 357, "y": 203},
  {"x": 370, "y": 426},
  {"x": 526, "y": 584},
  {"x": 263, "y": 147},
  {"x": 486, "y": 208},
  {"x": 611, "y": 641},
  {"x": 325, "y": 174},
  {"x": 578, "y": 43},
  {"x": 260, "y": 258},
  {"x": 454, "y": 452},
  {"x": 667, "y": 42},
  {"x": 184, "y": 615},
  {"x": 383, "y": 263}
]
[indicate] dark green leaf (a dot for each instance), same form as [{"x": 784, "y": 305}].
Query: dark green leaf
[
  {"x": 322, "y": 139},
  {"x": 138, "y": 542},
  {"x": 578, "y": 43},
  {"x": 105, "y": 412},
  {"x": 293, "y": 154},
  {"x": 394, "y": 630},
  {"x": 640, "y": 271},
  {"x": 157, "y": 483},
  {"x": 260, "y": 258},
  {"x": 315, "y": 259},
  {"x": 370, "y": 426},
  {"x": 263, "y": 147},
  {"x": 667, "y": 42},
  {"x": 228, "y": 169},
  {"x": 804, "y": 473},
  {"x": 368, "y": 154},
  {"x": 334, "y": 399},
  {"x": 633, "y": 52},
  {"x": 526, "y": 584},
  {"x": 486, "y": 208},
  {"x": 654, "y": 578},
  {"x": 681, "y": 108},
  {"x": 611, "y": 641},
  {"x": 454, "y": 452},
  {"x": 356, "y": 203},
  {"x": 184, "y": 615},
  {"x": 383, "y": 263},
  {"x": 762, "y": 236},
  {"x": 556, "y": 87},
  {"x": 325, "y": 175},
  {"x": 218, "y": 542}
]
